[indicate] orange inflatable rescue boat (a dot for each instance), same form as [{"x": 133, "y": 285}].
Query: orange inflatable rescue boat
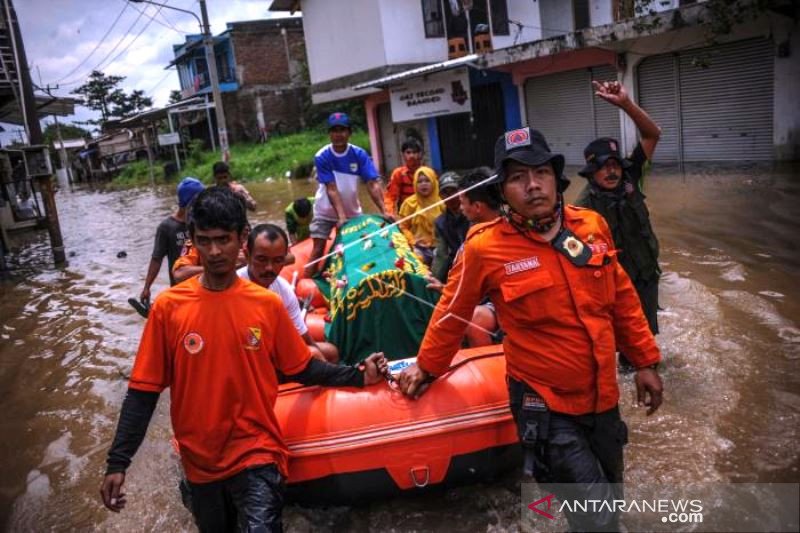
[{"x": 349, "y": 445}]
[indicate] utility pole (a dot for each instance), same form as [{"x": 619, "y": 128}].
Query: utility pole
[
  {"x": 34, "y": 130},
  {"x": 211, "y": 60}
]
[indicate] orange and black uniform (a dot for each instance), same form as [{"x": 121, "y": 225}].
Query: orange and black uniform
[
  {"x": 562, "y": 323},
  {"x": 219, "y": 352}
]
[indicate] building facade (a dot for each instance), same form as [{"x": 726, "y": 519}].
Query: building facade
[
  {"x": 730, "y": 101},
  {"x": 262, "y": 75}
]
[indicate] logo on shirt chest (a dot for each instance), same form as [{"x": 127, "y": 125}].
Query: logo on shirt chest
[
  {"x": 253, "y": 341},
  {"x": 515, "y": 267},
  {"x": 353, "y": 167},
  {"x": 193, "y": 343}
]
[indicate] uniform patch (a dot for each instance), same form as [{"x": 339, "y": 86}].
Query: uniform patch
[
  {"x": 253, "y": 338},
  {"x": 353, "y": 167},
  {"x": 517, "y": 138},
  {"x": 193, "y": 342},
  {"x": 522, "y": 265},
  {"x": 533, "y": 402}
]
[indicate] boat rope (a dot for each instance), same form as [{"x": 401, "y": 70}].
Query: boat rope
[{"x": 409, "y": 217}]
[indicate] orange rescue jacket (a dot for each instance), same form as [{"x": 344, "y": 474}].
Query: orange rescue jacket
[{"x": 563, "y": 323}]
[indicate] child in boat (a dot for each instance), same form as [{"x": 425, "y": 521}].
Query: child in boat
[{"x": 419, "y": 229}]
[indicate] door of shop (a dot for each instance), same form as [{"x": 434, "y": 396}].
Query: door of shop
[{"x": 467, "y": 140}]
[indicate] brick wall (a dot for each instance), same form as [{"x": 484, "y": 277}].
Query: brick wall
[
  {"x": 265, "y": 75},
  {"x": 282, "y": 110},
  {"x": 261, "y": 56}
]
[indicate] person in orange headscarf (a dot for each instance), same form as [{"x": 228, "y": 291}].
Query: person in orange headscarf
[{"x": 419, "y": 229}]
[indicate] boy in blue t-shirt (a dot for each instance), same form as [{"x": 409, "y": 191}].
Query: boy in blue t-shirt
[{"x": 340, "y": 165}]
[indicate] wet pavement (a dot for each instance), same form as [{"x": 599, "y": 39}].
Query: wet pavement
[{"x": 730, "y": 334}]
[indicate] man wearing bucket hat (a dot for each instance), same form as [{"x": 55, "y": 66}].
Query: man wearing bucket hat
[
  {"x": 170, "y": 237},
  {"x": 614, "y": 190},
  {"x": 565, "y": 303}
]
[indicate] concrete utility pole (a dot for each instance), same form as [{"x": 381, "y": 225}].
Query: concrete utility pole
[
  {"x": 34, "y": 131},
  {"x": 211, "y": 61}
]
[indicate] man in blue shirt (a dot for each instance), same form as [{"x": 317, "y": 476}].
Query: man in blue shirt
[{"x": 340, "y": 165}]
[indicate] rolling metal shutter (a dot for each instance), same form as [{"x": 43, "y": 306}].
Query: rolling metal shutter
[
  {"x": 563, "y": 107},
  {"x": 726, "y": 104},
  {"x": 658, "y": 96},
  {"x": 712, "y": 104}
]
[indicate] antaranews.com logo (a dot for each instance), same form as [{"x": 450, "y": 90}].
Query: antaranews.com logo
[
  {"x": 696, "y": 507},
  {"x": 671, "y": 511}
]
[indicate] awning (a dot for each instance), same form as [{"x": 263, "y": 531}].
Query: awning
[
  {"x": 189, "y": 104},
  {"x": 419, "y": 71},
  {"x": 285, "y": 5},
  {"x": 45, "y": 106}
]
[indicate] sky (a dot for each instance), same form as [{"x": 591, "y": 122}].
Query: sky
[{"x": 66, "y": 39}]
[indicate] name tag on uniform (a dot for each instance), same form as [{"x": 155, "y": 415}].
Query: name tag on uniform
[
  {"x": 522, "y": 265},
  {"x": 533, "y": 402}
]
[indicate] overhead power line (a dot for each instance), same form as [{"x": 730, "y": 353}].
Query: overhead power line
[
  {"x": 100, "y": 42},
  {"x": 99, "y": 65}
]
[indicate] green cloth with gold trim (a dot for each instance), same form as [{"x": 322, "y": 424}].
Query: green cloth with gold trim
[{"x": 375, "y": 287}]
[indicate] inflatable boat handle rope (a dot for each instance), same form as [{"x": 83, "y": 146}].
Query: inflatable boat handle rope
[
  {"x": 392, "y": 381},
  {"x": 409, "y": 217}
]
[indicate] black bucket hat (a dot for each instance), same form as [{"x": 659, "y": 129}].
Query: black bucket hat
[
  {"x": 528, "y": 147},
  {"x": 598, "y": 152}
]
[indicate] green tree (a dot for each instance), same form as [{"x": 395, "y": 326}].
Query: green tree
[
  {"x": 175, "y": 97},
  {"x": 98, "y": 93},
  {"x": 126, "y": 104},
  {"x": 68, "y": 131},
  {"x": 102, "y": 93}
]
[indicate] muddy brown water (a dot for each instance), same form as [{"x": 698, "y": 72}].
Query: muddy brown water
[{"x": 730, "y": 338}]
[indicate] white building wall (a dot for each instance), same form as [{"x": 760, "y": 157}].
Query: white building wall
[
  {"x": 526, "y": 13},
  {"x": 557, "y": 17},
  {"x": 342, "y": 38},
  {"x": 404, "y": 34},
  {"x": 601, "y": 12}
]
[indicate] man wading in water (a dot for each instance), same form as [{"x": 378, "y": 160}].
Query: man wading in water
[
  {"x": 565, "y": 303},
  {"x": 218, "y": 342}
]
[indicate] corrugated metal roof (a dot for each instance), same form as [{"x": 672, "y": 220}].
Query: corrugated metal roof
[{"x": 419, "y": 71}]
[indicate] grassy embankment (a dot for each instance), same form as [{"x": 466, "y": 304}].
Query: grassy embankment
[{"x": 292, "y": 153}]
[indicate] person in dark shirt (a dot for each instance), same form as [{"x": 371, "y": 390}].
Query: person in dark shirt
[
  {"x": 450, "y": 227},
  {"x": 614, "y": 189},
  {"x": 170, "y": 237}
]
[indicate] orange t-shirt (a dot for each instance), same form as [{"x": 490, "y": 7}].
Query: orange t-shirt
[
  {"x": 189, "y": 256},
  {"x": 563, "y": 323},
  {"x": 218, "y": 352},
  {"x": 400, "y": 187}
]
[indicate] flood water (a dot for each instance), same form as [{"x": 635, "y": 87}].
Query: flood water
[{"x": 730, "y": 335}]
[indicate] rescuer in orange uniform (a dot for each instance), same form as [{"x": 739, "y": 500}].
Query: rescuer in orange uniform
[
  {"x": 218, "y": 343},
  {"x": 565, "y": 304}
]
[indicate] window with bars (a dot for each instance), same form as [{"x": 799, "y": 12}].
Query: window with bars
[{"x": 432, "y": 18}]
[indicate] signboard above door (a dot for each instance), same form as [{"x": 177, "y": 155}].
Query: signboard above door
[{"x": 444, "y": 93}]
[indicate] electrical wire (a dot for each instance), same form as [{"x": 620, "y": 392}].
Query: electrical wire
[
  {"x": 168, "y": 24},
  {"x": 100, "y": 42},
  {"x": 100, "y": 66}
]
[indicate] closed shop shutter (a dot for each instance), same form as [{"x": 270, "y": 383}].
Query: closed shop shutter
[
  {"x": 563, "y": 107},
  {"x": 726, "y": 102},
  {"x": 657, "y": 96},
  {"x": 713, "y": 103}
]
